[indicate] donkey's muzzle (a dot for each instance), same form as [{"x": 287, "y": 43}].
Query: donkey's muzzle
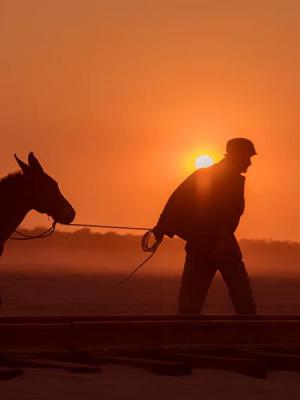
[{"x": 65, "y": 216}]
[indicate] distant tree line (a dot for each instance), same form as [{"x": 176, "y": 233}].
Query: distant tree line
[{"x": 84, "y": 239}]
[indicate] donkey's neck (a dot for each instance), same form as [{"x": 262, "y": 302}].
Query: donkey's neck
[{"x": 14, "y": 204}]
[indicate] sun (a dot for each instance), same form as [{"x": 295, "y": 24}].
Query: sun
[
  {"x": 204, "y": 161},
  {"x": 200, "y": 157}
]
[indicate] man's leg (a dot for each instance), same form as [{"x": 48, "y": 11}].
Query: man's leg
[
  {"x": 234, "y": 273},
  {"x": 199, "y": 270}
]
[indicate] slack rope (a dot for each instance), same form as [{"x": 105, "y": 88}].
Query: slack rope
[
  {"x": 25, "y": 236},
  {"x": 146, "y": 246}
]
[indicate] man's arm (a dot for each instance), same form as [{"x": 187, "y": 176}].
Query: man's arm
[
  {"x": 159, "y": 229},
  {"x": 176, "y": 201}
]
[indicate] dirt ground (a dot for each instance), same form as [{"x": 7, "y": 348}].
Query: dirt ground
[{"x": 118, "y": 382}]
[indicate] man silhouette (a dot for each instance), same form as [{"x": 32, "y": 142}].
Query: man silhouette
[{"x": 205, "y": 211}]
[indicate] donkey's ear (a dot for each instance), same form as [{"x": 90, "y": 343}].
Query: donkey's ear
[
  {"x": 34, "y": 163},
  {"x": 24, "y": 167}
]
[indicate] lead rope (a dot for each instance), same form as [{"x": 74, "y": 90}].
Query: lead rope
[
  {"x": 145, "y": 241},
  {"x": 147, "y": 248},
  {"x": 145, "y": 245},
  {"x": 25, "y": 236}
]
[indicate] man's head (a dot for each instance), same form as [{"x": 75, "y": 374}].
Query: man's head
[{"x": 239, "y": 152}]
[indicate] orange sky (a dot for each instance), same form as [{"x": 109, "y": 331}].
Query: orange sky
[{"x": 115, "y": 97}]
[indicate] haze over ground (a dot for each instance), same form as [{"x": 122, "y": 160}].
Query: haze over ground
[
  {"x": 85, "y": 253},
  {"x": 117, "y": 99}
]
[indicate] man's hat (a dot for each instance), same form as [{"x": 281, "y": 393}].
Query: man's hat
[{"x": 240, "y": 146}]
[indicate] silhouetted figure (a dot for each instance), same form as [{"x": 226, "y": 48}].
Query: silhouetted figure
[
  {"x": 205, "y": 211},
  {"x": 31, "y": 189}
]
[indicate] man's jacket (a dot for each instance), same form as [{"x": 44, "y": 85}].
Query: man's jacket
[{"x": 209, "y": 202}]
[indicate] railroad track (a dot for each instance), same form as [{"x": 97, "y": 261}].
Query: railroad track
[
  {"x": 81, "y": 332},
  {"x": 162, "y": 344}
]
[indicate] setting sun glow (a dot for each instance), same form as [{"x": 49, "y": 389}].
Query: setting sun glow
[{"x": 204, "y": 161}]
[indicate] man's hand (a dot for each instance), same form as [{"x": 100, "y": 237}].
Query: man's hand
[{"x": 158, "y": 234}]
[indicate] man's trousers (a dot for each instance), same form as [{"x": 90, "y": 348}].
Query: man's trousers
[{"x": 203, "y": 258}]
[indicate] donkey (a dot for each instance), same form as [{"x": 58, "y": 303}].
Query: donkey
[{"x": 26, "y": 190}]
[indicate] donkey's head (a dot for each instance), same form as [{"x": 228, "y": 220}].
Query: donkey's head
[{"x": 43, "y": 192}]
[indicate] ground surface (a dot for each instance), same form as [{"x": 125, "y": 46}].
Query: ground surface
[
  {"x": 96, "y": 294},
  {"x": 118, "y": 382}
]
